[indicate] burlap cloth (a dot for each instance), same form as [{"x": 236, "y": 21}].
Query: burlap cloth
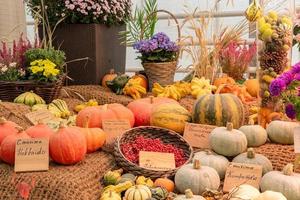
[{"x": 77, "y": 182}]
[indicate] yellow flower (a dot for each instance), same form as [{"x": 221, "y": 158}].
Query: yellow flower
[
  {"x": 48, "y": 63},
  {"x": 51, "y": 72},
  {"x": 36, "y": 62},
  {"x": 36, "y": 69}
]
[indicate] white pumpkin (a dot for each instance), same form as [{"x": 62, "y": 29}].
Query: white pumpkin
[
  {"x": 270, "y": 195},
  {"x": 286, "y": 182},
  {"x": 138, "y": 192},
  {"x": 256, "y": 135},
  {"x": 281, "y": 132},
  {"x": 197, "y": 178},
  {"x": 244, "y": 191},
  {"x": 227, "y": 141},
  {"x": 211, "y": 159},
  {"x": 189, "y": 195},
  {"x": 252, "y": 158}
]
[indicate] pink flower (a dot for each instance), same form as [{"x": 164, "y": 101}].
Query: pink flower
[{"x": 67, "y": 2}]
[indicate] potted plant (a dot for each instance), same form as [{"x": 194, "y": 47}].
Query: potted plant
[{"x": 90, "y": 29}]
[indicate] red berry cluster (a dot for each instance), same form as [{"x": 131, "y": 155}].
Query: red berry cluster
[{"x": 131, "y": 149}]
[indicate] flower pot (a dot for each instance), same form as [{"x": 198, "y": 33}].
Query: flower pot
[{"x": 162, "y": 73}]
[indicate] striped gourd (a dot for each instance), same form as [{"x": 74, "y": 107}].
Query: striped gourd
[
  {"x": 138, "y": 192},
  {"x": 218, "y": 109},
  {"x": 171, "y": 116}
]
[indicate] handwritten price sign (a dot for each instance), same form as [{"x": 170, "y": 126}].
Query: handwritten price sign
[
  {"x": 157, "y": 161},
  {"x": 194, "y": 134}
]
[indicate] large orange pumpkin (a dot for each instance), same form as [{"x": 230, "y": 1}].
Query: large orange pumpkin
[
  {"x": 252, "y": 86},
  {"x": 7, "y": 128},
  {"x": 144, "y": 80},
  {"x": 39, "y": 131},
  {"x": 224, "y": 80},
  {"x": 109, "y": 77},
  {"x": 105, "y": 112},
  {"x": 67, "y": 146},
  {"x": 95, "y": 137},
  {"x": 8, "y": 145},
  {"x": 142, "y": 108}
]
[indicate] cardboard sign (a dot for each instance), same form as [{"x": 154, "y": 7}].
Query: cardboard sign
[
  {"x": 240, "y": 173},
  {"x": 40, "y": 116},
  {"x": 297, "y": 140},
  {"x": 114, "y": 128},
  {"x": 32, "y": 155},
  {"x": 157, "y": 161},
  {"x": 193, "y": 133}
]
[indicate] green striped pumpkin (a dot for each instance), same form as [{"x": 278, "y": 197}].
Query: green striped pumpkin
[
  {"x": 138, "y": 192},
  {"x": 218, "y": 109}
]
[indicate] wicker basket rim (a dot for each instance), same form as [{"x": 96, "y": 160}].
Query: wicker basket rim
[
  {"x": 28, "y": 82},
  {"x": 159, "y": 63},
  {"x": 158, "y": 128}
]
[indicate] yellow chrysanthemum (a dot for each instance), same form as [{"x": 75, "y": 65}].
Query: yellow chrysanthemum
[
  {"x": 36, "y": 69},
  {"x": 36, "y": 62},
  {"x": 49, "y": 63}
]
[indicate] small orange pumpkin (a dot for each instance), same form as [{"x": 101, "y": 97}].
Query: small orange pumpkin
[
  {"x": 165, "y": 183},
  {"x": 144, "y": 80},
  {"x": 252, "y": 86},
  {"x": 224, "y": 80},
  {"x": 109, "y": 77}
]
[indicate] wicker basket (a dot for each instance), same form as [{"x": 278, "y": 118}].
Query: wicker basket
[
  {"x": 9, "y": 90},
  {"x": 165, "y": 135}
]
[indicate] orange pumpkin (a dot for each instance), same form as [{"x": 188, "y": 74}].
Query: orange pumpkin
[
  {"x": 224, "y": 80},
  {"x": 144, "y": 80},
  {"x": 7, "y": 128},
  {"x": 67, "y": 146},
  {"x": 109, "y": 77},
  {"x": 97, "y": 114},
  {"x": 8, "y": 145},
  {"x": 39, "y": 131},
  {"x": 142, "y": 108},
  {"x": 165, "y": 183},
  {"x": 95, "y": 137},
  {"x": 252, "y": 86},
  {"x": 263, "y": 116}
]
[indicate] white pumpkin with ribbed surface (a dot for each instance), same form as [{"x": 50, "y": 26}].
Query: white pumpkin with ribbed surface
[
  {"x": 244, "y": 191},
  {"x": 188, "y": 194},
  {"x": 138, "y": 192},
  {"x": 270, "y": 195},
  {"x": 286, "y": 182},
  {"x": 281, "y": 132},
  {"x": 197, "y": 178},
  {"x": 256, "y": 135},
  {"x": 250, "y": 157},
  {"x": 211, "y": 159}
]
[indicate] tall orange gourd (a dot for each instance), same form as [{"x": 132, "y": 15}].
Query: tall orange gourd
[
  {"x": 67, "y": 146},
  {"x": 95, "y": 137},
  {"x": 39, "y": 131},
  {"x": 7, "y": 128}
]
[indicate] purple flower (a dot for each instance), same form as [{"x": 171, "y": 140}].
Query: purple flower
[
  {"x": 296, "y": 68},
  {"x": 161, "y": 38},
  {"x": 277, "y": 86},
  {"x": 287, "y": 77},
  {"x": 297, "y": 77},
  {"x": 290, "y": 111}
]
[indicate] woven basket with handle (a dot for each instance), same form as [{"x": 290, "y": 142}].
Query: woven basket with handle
[{"x": 165, "y": 135}]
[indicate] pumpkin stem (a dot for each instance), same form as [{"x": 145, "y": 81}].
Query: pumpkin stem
[
  {"x": 196, "y": 164},
  {"x": 250, "y": 153},
  {"x": 251, "y": 122},
  {"x": 110, "y": 193},
  {"x": 62, "y": 125},
  {"x": 208, "y": 152},
  {"x": 86, "y": 122},
  {"x": 111, "y": 71},
  {"x": 188, "y": 194},
  {"x": 151, "y": 99},
  {"x": 229, "y": 126},
  {"x": 2, "y": 120},
  {"x": 288, "y": 169},
  {"x": 20, "y": 129}
]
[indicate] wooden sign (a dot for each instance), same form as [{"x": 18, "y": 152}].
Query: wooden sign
[
  {"x": 40, "y": 116},
  {"x": 114, "y": 128},
  {"x": 240, "y": 173},
  {"x": 32, "y": 155},
  {"x": 297, "y": 140},
  {"x": 157, "y": 161},
  {"x": 193, "y": 133}
]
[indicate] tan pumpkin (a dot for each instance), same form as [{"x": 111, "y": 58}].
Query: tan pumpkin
[
  {"x": 250, "y": 157},
  {"x": 138, "y": 192},
  {"x": 165, "y": 183},
  {"x": 252, "y": 86},
  {"x": 188, "y": 194},
  {"x": 281, "y": 132},
  {"x": 109, "y": 77},
  {"x": 227, "y": 141},
  {"x": 286, "y": 182},
  {"x": 110, "y": 195},
  {"x": 211, "y": 159},
  {"x": 243, "y": 191},
  {"x": 197, "y": 178},
  {"x": 256, "y": 135},
  {"x": 270, "y": 195},
  {"x": 171, "y": 116}
]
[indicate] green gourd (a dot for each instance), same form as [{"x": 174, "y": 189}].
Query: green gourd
[
  {"x": 159, "y": 193},
  {"x": 118, "y": 83}
]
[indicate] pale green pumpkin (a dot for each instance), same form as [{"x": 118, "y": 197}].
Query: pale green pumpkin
[
  {"x": 270, "y": 195},
  {"x": 244, "y": 191},
  {"x": 281, "y": 132},
  {"x": 188, "y": 194},
  {"x": 256, "y": 135}
]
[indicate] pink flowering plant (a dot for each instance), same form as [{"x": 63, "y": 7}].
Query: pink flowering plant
[
  {"x": 287, "y": 86},
  {"x": 109, "y": 12}
]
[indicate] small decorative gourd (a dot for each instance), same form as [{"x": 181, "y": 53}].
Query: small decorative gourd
[
  {"x": 250, "y": 157},
  {"x": 286, "y": 182},
  {"x": 270, "y": 195},
  {"x": 256, "y": 135},
  {"x": 159, "y": 193},
  {"x": 165, "y": 183},
  {"x": 142, "y": 180},
  {"x": 211, "y": 159},
  {"x": 244, "y": 191},
  {"x": 197, "y": 178},
  {"x": 110, "y": 195},
  {"x": 138, "y": 192},
  {"x": 188, "y": 194},
  {"x": 227, "y": 141},
  {"x": 281, "y": 132},
  {"x": 112, "y": 177},
  {"x": 127, "y": 177}
]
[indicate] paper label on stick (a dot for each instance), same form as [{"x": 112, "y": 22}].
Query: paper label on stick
[
  {"x": 193, "y": 133},
  {"x": 240, "y": 173},
  {"x": 297, "y": 140},
  {"x": 157, "y": 161},
  {"x": 114, "y": 128},
  {"x": 32, "y": 155},
  {"x": 40, "y": 116}
]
